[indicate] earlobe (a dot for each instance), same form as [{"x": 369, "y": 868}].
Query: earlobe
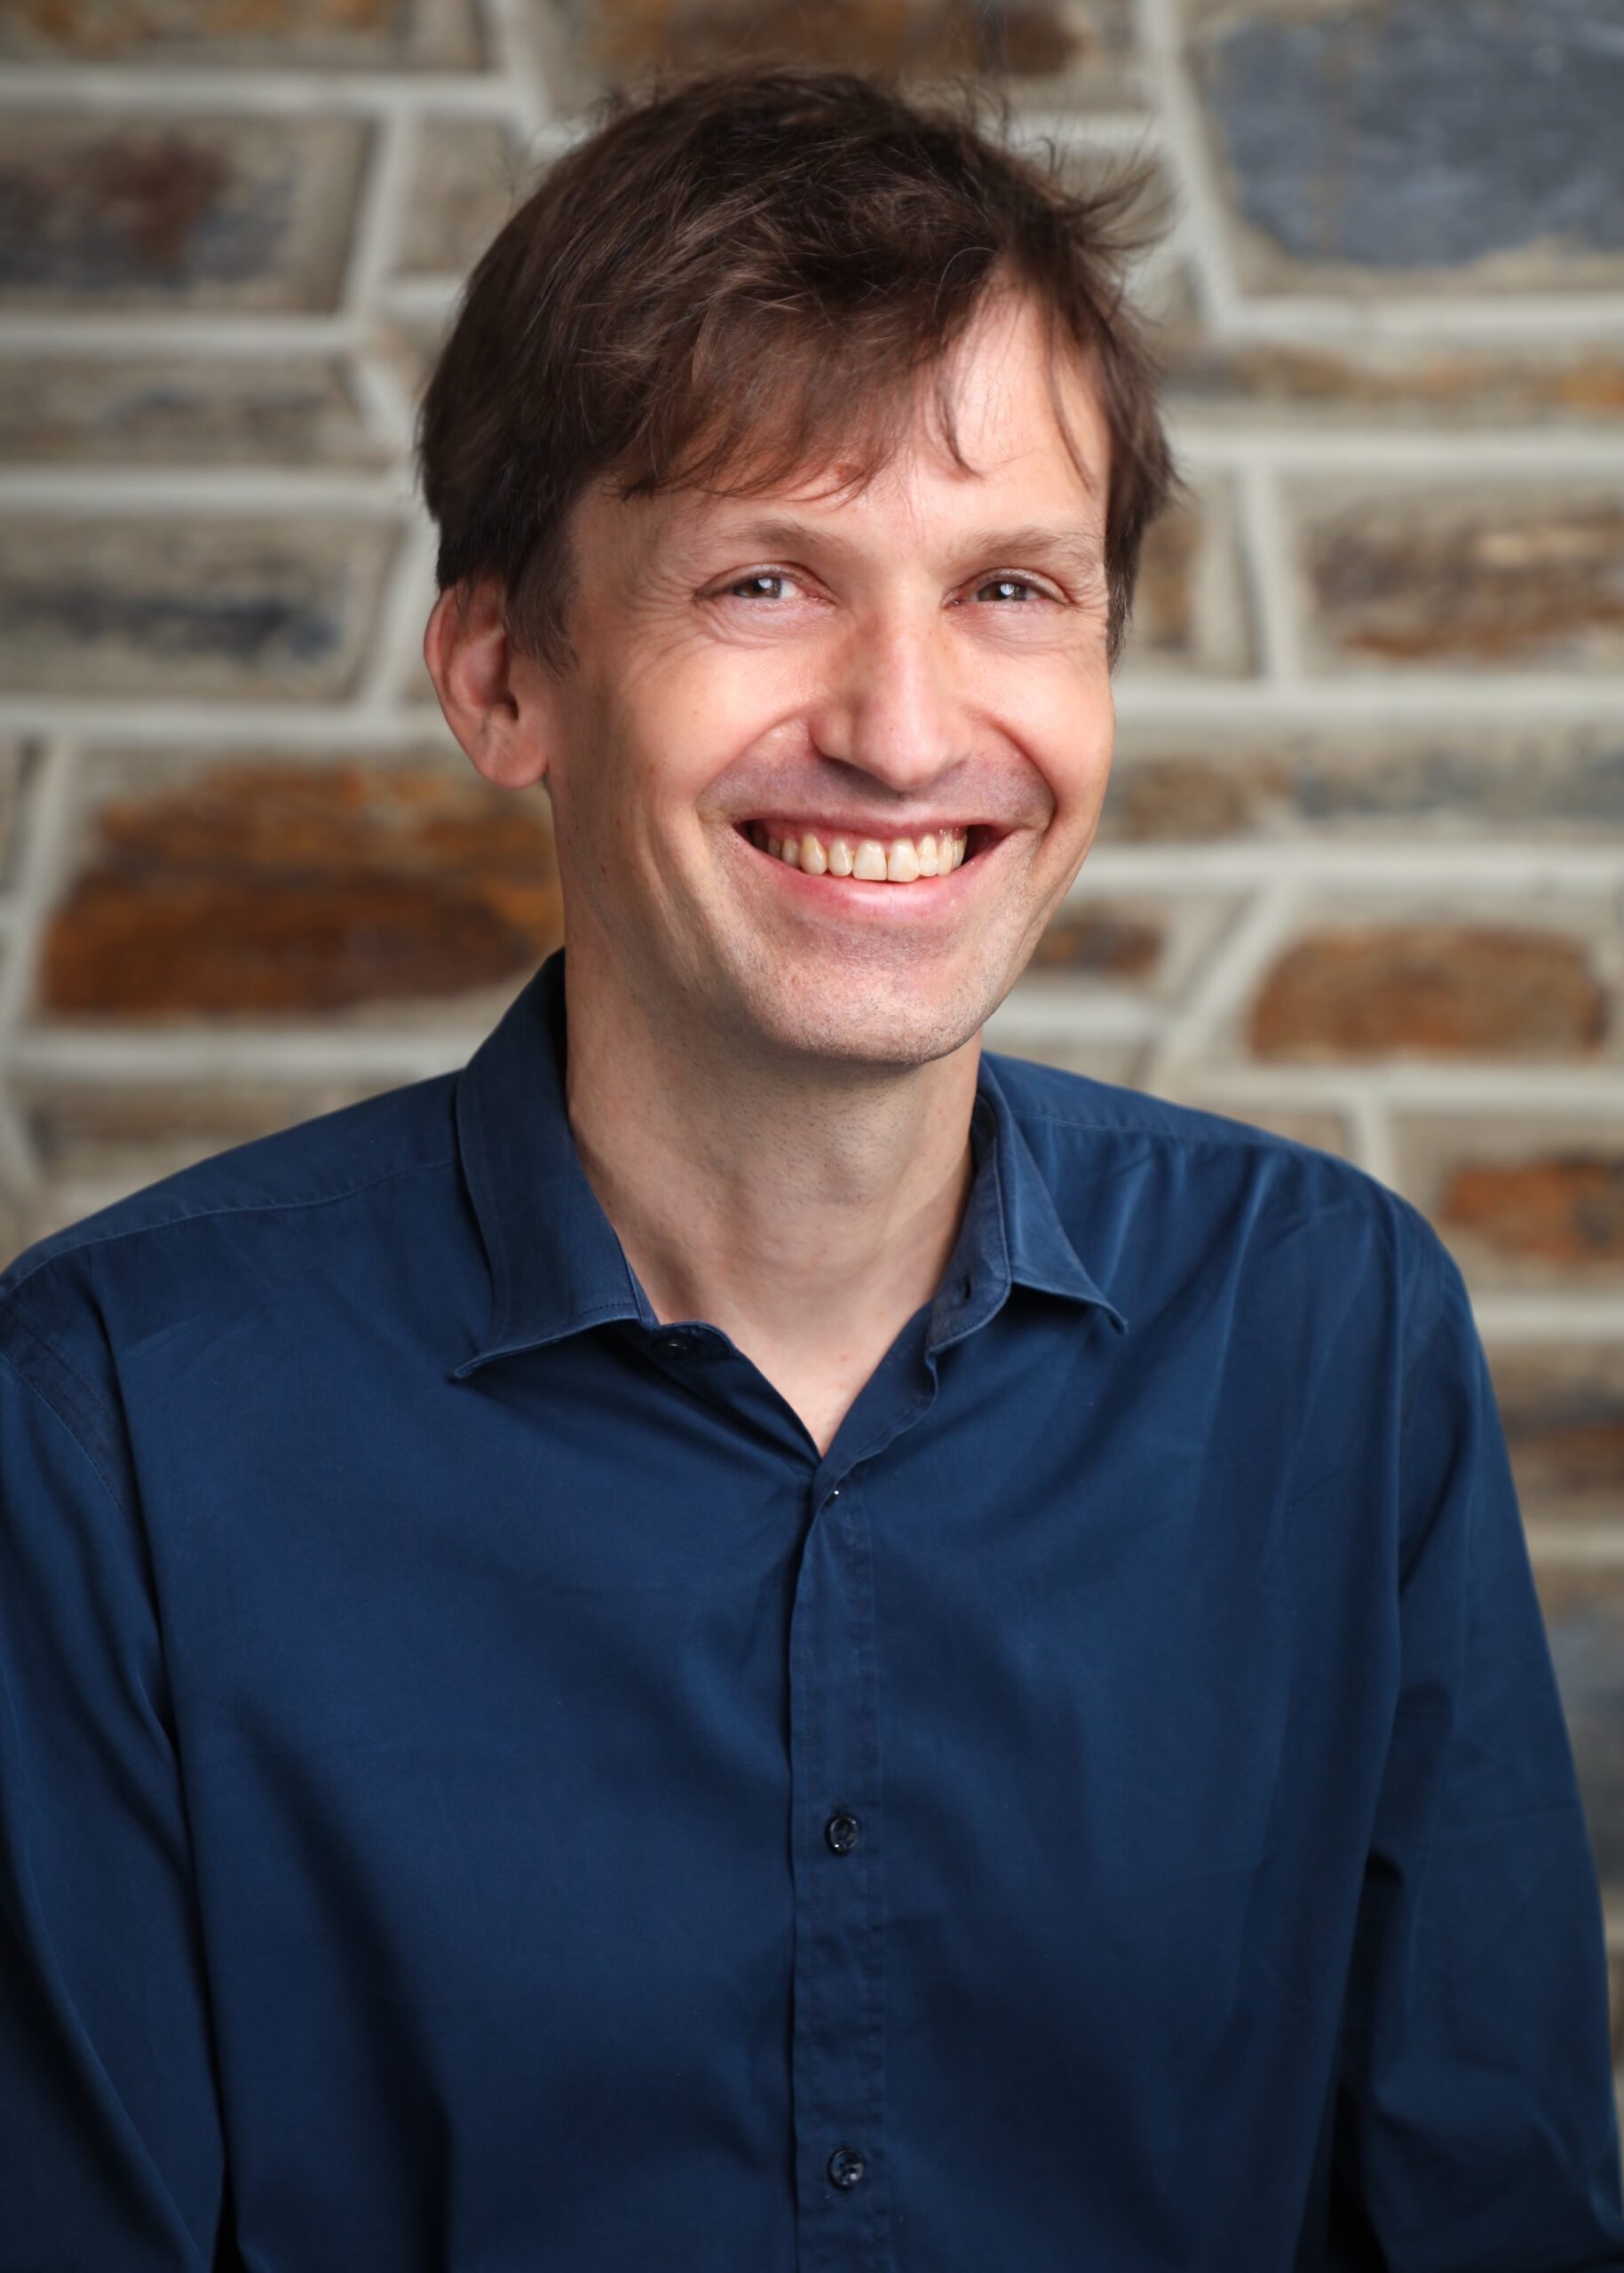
[{"x": 471, "y": 661}]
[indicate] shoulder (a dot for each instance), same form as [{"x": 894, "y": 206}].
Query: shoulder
[
  {"x": 313, "y": 1163},
  {"x": 1210, "y": 1183},
  {"x": 179, "y": 1246}
]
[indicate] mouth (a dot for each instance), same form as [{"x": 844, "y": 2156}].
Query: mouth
[{"x": 818, "y": 849}]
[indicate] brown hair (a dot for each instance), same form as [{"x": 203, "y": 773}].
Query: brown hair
[{"x": 739, "y": 275}]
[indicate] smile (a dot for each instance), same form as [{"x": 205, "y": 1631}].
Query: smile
[{"x": 869, "y": 860}]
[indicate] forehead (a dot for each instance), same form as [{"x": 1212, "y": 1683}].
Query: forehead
[
  {"x": 1011, "y": 384},
  {"x": 1006, "y": 391}
]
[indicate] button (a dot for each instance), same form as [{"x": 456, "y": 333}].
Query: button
[
  {"x": 845, "y": 2166},
  {"x": 701, "y": 1345},
  {"x": 841, "y": 1832}
]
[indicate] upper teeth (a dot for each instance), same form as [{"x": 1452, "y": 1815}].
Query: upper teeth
[{"x": 902, "y": 861}]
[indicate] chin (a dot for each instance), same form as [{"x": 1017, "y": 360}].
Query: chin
[{"x": 858, "y": 1030}]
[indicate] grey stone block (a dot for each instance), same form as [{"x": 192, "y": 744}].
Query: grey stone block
[
  {"x": 181, "y": 410},
  {"x": 175, "y": 609},
  {"x": 1400, "y": 136}
]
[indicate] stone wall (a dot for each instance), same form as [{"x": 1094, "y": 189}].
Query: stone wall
[{"x": 1360, "y": 869}]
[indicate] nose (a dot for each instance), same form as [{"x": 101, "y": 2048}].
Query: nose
[{"x": 891, "y": 705}]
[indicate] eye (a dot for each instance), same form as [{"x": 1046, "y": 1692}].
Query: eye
[
  {"x": 1012, "y": 590},
  {"x": 757, "y": 585}
]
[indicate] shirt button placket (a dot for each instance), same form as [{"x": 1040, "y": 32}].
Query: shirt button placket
[{"x": 836, "y": 2048}]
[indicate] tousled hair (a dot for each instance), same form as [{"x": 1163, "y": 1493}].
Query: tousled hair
[{"x": 748, "y": 276}]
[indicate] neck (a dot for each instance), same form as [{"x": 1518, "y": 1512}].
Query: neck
[{"x": 807, "y": 1210}]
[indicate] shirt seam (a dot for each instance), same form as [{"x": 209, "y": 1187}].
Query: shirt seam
[
  {"x": 55, "y": 1410},
  {"x": 1264, "y": 1140},
  {"x": 12, "y": 1307},
  {"x": 229, "y": 1207}
]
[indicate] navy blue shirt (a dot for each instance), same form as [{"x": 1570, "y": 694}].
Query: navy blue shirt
[{"x": 478, "y": 1792}]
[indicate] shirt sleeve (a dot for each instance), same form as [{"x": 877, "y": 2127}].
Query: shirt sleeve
[
  {"x": 1475, "y": 2122},
  {"x": 110, "y": 2138}
]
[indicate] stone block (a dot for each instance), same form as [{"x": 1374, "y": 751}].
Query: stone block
[
  {"x": 1141, "y": 949},
  {"x": 96, "y": 1139},
  {"x": 1453, "y": 783},
  {"x": 297, "y": 888},
  {"x": 1584, "y": 1620},
  {"x": 1374, "y": 381},
  {"x": 1104, "y": 941},
  {"x": 1080, "y": 53},
  {"x": 371, "y": 35},
  {"x": 1384, "y": 145},
  {"x": 1415, "y": 984},
  {"x": 1525, "y": 577},
  {"x": 172, "y": 609},
  {"x": 1562, "y": 1407},
  {"x": 1192, "y": 610},
  {"x": 470, "y": 175},
  {"x": 1177, "y": 793},
  {"x": 1521, "y": 1198},
  {"x": 110, "y": 211},
  {"x": 181, "y": 410}
]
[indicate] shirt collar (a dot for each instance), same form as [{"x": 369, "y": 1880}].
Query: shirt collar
[{"x": 557, "y": 1265}]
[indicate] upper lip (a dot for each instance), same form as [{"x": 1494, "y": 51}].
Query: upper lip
[{"x": 882, "y": 831}]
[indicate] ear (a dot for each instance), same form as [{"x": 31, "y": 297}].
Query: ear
[{"x": 489, "y": 693}]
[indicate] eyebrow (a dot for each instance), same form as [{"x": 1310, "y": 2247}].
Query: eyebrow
[
  {"x": 1079, "y": 549},
  {"x": 1066, "y": 546}
]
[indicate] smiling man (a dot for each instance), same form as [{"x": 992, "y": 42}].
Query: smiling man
[
  {"x": 821, "y": 769},
  {"x": 742, "y": 1638}
]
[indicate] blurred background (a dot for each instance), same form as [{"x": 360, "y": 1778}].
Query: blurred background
[{"x": 1360, "y": 873}]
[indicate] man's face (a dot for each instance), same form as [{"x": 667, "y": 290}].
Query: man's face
[{"x": 905, "y": 677}]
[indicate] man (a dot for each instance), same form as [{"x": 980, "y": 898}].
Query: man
[{"x": 740, "y": 1638}]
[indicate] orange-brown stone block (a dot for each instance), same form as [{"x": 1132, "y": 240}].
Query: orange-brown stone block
[
  {"x": 1103, "y": 942},
  {"x": 1566, "y": 1209},
  {"x": 379, "y": 33},
  {"x": 300, "y": 890},
  {"x": 1085, "y": 45},
  {"x": 1563, "y": 1412},
  {"x": 1456, "y": 991}
]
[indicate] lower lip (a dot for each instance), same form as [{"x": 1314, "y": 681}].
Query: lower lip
[{"x": 865, "y": 901}]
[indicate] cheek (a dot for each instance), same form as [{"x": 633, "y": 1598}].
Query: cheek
[
  {"x": 691, "y": 729},
  {"x": 1069, "y": 740},
  {"x": 642, "y": 758}
]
